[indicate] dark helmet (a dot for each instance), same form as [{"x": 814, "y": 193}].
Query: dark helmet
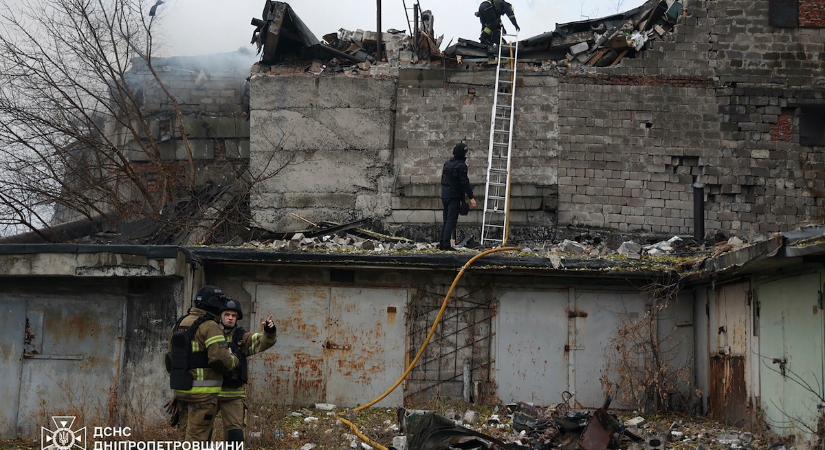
[
  {"x": 232, "y": 305},
  {"x": 210, "y": 299},
  {"x": 460, "y": 150}
]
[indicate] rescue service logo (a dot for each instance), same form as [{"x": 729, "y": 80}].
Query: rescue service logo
[{"x": 63, "y": 437}]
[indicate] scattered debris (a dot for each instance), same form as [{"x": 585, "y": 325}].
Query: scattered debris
[
  {"x": 430, "y": 431},
  {"x": 634, "y": 422},
  {"x": 598, "y": 42},
  {"x": 399, "y": 442},
  {"x": 630, "y": 250},
  {"x": 325, "y": 406},
  {"x": 664, "y": 247},
  {"x": 470, "y": 417},
  {"x": 573, "y": 247}
]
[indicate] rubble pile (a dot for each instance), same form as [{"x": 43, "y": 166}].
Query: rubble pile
[
  {"x": 282, "y": 37},
  {"x": 356, "y": 237},
  {"x": 599, "y": 42},
  {"x": 512, "y": 426},
  {"x": 363, "y": 45}
]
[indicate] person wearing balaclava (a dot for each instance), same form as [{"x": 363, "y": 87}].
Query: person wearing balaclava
[{"x": 455, "y": 185}]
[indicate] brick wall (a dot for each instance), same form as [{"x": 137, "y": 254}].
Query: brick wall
[
  {"x": 812, "y": 13},
  {"x": 630, "y": 153},
  {"x": 749, "y": 50}
]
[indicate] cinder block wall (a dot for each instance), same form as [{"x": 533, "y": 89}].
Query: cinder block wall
[
  {"x": 719, "y": 99},
  {"x": 324, "y": 146},
  {"x": 438, "y": 109},
  {"x": 717, "y": 102}
]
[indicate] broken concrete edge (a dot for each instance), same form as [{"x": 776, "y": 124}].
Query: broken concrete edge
[
  {"x": 88, "y": 260},
  {"x": 164, "y": 261},
  {"x": 141, "y": 260}
]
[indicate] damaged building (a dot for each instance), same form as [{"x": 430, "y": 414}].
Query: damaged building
[
  {"x": 696, "y": 118},
  {"x": 725, "y": 100}
]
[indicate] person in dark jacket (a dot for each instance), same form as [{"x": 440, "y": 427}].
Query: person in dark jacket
[
  {"x": 455, "y": 185},
  {"x": 490, "y": 12}
]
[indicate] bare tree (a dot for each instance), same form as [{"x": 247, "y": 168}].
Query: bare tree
[
  {"x": 642, "y": 359},
  {"x": 69, "y": 120}
]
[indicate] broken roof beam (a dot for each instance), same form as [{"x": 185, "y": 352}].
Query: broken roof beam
[{"x": 281, "y": 33}]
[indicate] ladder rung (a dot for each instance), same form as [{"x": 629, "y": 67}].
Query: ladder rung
[
  {"x": 503, "y": 130},
  {"x": 495, "y": 197},
  {"x": 492, "y": 183},
  {"x": 494, "y": 226}
]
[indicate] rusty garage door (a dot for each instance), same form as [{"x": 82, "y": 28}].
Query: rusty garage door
[
  {"x": 729, "y": 374},
  {"x": 337, "y": 345},
  {"x": 62, "y": 355}
]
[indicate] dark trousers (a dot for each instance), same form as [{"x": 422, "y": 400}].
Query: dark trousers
[
  {"x": 450, "y": 214},
  {"x": 490, "y": 24}
]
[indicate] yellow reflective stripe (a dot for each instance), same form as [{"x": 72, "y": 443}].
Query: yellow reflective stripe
[
  {"x": 256, "y": 341},
  {"x": 195, "y": 346},
  {"x": 199, "y": 374},
  {"x": 214, "y": 340},
  {"x": 201, "y": 390},
  {"x": 233, "y": 394}
]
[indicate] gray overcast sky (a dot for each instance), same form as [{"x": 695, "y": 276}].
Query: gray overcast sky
[{"x": 207, "y": 26}]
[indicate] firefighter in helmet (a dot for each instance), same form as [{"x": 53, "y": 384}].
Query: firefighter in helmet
[
  {"x": 490, "y": 12},
  {"x": 232, "y": 398},
  {"x": 198, "y": 357}
]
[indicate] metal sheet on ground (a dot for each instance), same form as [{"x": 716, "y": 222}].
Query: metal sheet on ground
[
  {"x": 73, "y": 365},
  {"x": 12, "y": 336},
  {"x": 364, "y": 351},
  {"x": 292, "y": 372},
  {"x": 531, "y": 332},
  {"x": 791, "y": 351}
]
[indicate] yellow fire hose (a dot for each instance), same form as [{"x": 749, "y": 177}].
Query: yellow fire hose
[{"x": 421, "y": 350}]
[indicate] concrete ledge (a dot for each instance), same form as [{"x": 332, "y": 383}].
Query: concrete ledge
[{"x": 87, "y": 261}]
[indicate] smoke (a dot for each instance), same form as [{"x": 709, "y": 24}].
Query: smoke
[{"x": 191, "y": 27}]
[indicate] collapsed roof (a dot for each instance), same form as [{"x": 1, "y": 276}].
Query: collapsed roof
[
  {"x": 596, "y": 42},
  {"x": 281, "y": 35}
]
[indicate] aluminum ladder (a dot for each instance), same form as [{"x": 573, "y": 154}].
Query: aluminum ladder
[{"x": 496, "y": 219}]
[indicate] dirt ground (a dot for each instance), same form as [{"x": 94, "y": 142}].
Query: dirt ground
[{"x": 271, "y": 428}]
